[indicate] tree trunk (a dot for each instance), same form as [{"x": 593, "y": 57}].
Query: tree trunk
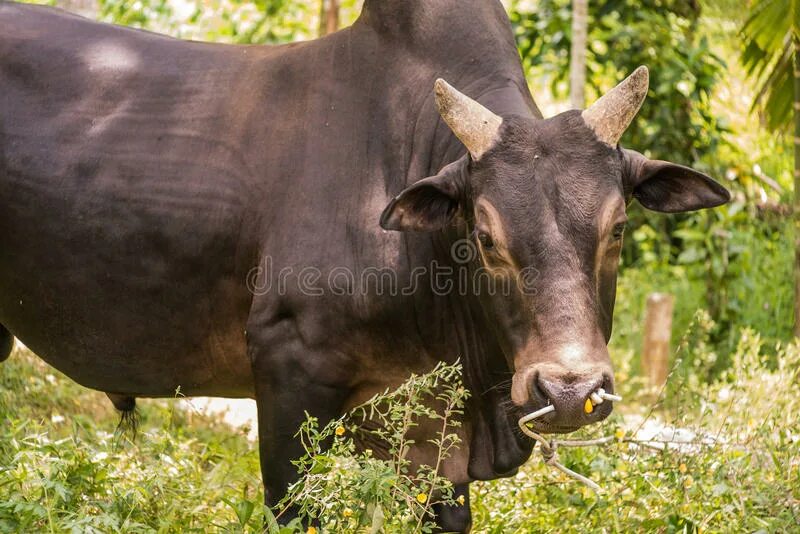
[
  {"x": 796, "y": 216},
  {"x": 577, "y": 64},
  {"x": 328, "y": 17}
]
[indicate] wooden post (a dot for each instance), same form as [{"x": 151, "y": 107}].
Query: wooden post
[{"x": 657, "y": 333}]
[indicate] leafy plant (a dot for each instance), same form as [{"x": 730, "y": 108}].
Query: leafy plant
[{"x": 347, "y": 488}]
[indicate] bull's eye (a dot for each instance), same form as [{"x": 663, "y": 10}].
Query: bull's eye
[
  {"x": 486, "y": 241},
  {"x": 619, "y": 230}
]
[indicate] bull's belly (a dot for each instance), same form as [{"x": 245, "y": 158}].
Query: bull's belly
[
  {"x": 134, "y": 354},
  {"x": 165, "y": 363}
]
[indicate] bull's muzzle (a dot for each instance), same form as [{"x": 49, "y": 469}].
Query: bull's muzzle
[{"x": 577, "y": 397}]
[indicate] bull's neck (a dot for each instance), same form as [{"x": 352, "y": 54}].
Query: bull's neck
[{"x": 475, "y": 52}]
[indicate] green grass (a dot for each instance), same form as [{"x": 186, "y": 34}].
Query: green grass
[
  {"x": 62, "y": 469},
  {"x": 749, "y": 481}
]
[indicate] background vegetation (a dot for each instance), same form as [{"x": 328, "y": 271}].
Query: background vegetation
[{"x": 717, "y": 102}]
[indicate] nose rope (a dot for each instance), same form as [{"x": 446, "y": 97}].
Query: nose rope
[{"x": 549, "y": 448}]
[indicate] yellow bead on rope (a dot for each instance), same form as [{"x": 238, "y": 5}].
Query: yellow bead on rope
[{"x": 588, "y": 406}]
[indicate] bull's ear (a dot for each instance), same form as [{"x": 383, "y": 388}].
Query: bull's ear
[
  {"x": 668, "y": 187},
  {"x": 429, "y": 204}
]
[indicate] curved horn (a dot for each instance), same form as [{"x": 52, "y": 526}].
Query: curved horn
[
  {"x": 473, "y": 124},
  {"x": 613, "y": 112}
]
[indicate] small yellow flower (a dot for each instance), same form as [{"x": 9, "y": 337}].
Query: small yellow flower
[
  {"x": 311, "y": 530},
  {"x": 347, "y": 512},
  {"x": 619, "y": 434},
  {"x": 340, "y": 430},
  {"x": 682, "y": 468},
  {"x": 688, "y": 482},
  {"x": 422, "y": 498},
  {"x": 460, "y": 500},
  {"x": 588, "y": 406}
]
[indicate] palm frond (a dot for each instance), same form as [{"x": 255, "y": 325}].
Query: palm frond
[{"x": 768, "y": 57}]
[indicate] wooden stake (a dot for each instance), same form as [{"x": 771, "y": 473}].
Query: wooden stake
[{"x": 657, "y": 333}]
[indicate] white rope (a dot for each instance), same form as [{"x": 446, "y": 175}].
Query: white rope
[{"x": 549, "y": 448}]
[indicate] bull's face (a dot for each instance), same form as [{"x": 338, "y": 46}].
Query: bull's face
[{"x": 544, "y": 202}]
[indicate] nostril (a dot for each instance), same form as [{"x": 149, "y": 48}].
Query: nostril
[{"x": 537, "y": 391}]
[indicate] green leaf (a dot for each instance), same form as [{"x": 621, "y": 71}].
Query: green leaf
[
  {"x": 272, "y": 525},
  {"x": 768, "y": 57}
]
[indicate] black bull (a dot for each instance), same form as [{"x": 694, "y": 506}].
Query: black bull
[{"x": 172, "y": 213}]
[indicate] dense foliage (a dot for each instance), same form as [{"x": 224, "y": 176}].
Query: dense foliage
[{"x": 676, "y": 123}]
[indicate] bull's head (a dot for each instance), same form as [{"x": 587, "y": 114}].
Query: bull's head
[{"x": 549, "y": 196}]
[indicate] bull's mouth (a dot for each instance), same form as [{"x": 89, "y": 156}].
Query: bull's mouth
[
  {"x": 546, "y": 425},
  {"x": 544, "y": 428}
]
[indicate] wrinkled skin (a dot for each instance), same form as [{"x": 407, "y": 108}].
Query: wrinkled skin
[{"x": 145, "y": 180}]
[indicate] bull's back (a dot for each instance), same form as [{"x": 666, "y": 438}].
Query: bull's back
[{"x": 121, "y": 203}]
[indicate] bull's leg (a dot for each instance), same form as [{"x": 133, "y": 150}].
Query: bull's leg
[
  {"x": 455, "y": 518},
  {"x": 6, "y": 343},
  {"x": 285, "y": 391}
]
